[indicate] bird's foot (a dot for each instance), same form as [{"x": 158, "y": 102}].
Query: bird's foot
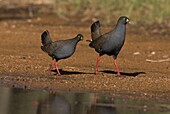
[
  {"x": 119, "y": 75},
  {"x": 51, "y": 68},
  {"x": 59, "y": 74},
  {"x": 96, "y": 72}
]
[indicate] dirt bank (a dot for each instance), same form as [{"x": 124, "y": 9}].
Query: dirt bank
[{"x": 23, "y": 64}]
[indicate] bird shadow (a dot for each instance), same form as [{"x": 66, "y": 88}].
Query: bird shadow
[
  {"x": 133, "y": 74},
  {"x": 64, "y": 72}
]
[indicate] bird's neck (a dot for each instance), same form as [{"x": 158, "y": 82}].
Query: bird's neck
[
  {"x": 76, "y": 40},
  {"x": 120, "y": 27}
]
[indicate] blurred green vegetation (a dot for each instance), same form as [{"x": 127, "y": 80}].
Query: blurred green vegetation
[{"x": 141, "y": 11}]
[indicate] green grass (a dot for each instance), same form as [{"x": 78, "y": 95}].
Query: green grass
[{"x": 141, "y": 11}]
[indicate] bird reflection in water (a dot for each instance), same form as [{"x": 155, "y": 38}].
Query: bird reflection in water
[{"x": 79, "y": 103}]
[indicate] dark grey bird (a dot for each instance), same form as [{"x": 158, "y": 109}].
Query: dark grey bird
[
  {"x": 58, "y": 50},
  {"x": 109, "y": 43}
]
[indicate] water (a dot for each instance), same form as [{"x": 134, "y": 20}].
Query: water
[{"x": 21, "y": 101}]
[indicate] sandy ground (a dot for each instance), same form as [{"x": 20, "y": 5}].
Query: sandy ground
[{"x": 25, "y": 65}]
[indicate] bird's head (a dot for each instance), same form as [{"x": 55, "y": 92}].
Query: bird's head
[
  {"x": 80, "y": 36},
  {"x": 124, "y": 20}
]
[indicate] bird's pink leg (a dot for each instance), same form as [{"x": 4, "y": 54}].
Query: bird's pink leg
[
  {"x": 56, "y": 66},
  {"x": 97, "y": 63},
  {"x": 52, "y": 64},
  {"x": 117, "y": 69}
]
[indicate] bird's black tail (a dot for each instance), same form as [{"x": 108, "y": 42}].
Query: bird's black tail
[
  {"x": 95, "y": 26},
  {"x": 95, "y": 30},
  {"x": 45, "y": 37}
]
